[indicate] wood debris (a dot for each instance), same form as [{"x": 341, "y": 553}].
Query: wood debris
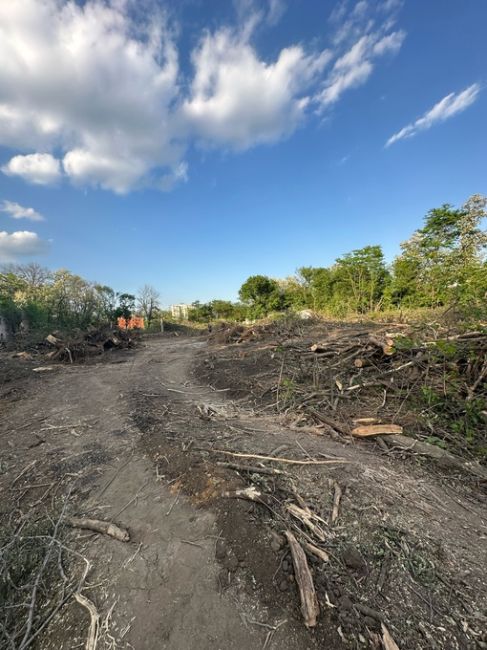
[
  {"x": 98, "y": 526},
  {"x": 310, "y": 519},
  {"x": 90, "y": 343},
  {"x": 336, "y": 503},
  {"x": 309, "y": 601},
  {"x": 376, "y": 429},
  {"x": 93, "y": 631},
  {"x": 387, "y": 640}
]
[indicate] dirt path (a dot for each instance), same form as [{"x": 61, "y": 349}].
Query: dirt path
[{"x": 196, "y": 573}]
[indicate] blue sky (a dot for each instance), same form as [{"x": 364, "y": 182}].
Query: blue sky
[{"x": 191, "y": 144}]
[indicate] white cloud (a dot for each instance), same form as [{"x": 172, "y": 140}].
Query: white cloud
[
  {"x": 354, "y": 67},
  {"x": 238, "y": 100},
  {"x": 89, "y": 81},
  {"x": 101, "y": 94},
  {"x": 447, "y": 107},
  {"x": 17, "y": 211},
  {"x": 22, "y": 243},
  {"x": 37, "y": 168}
]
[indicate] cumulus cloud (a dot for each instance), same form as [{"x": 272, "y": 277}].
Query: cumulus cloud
[
  {"x": 37, "y": 168},
  {"x": 101, "y": 94},
  {"x": 447, "y": 107},
  {"x": 238, "y": 100},
  {"x": 90, "y": 81},
  {"x": 17, "y": 211},
  {"x": 22, "y": 243}
]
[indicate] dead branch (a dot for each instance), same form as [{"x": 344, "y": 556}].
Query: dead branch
[
  {"x": 387, "y": 640},
  {"x": 92, "y": 638},
  {"x": 308, "y": 518},
  {"x": 309, "y": 602},
  {"x": 317, "y": 552},
  {"x": 336, "y": 503},
  {"x": 253, "y": 469},
  {"x": 279, "y": 459}
]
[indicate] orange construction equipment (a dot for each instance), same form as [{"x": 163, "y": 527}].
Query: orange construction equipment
[{"x": 133, "y": 323}]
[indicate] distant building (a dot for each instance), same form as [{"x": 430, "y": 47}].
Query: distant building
[{"x": 181, "y": 312}]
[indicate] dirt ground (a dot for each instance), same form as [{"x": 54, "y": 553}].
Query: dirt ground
[{"x": 134, "y": 439}]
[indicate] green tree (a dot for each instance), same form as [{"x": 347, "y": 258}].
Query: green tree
[
  {"x": 263, "y": 295},
  {"x": 359, "y": 278},
  {"x": 443, "y": 262},
  {"x": 126, "y": 306}
]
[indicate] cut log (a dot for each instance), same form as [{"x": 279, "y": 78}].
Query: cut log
[
  {"x": 50, "y": 338},
  {"x": 376, "y": 429},
  {"x": 309, "y": 602},
  {"x": 386, "y": 344},
  {"x": 104, "y": 527}
]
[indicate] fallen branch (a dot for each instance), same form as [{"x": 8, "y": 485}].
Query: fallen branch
[
  {"x": 387, "y": 640},
  {"x": 252, "y": 469},
  {"x": 104, "y": 527},
  {"x": 309, "y": 602},
  {"x": 278, "y": 459},
  {"x": 341, "y": 428},
  {"x": 317, "y": 552},
  {"x": 336, "y": 503},
  {"x": 92, "y": 638},
  {"x": 306, "y": 517}
]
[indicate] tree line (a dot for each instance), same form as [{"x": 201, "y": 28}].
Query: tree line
[
  {"x": 33, "y": 298},
  {"x": 442, "y": 264}
]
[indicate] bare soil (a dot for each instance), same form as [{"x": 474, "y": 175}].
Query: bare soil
[{"x": 133, "y": 439}]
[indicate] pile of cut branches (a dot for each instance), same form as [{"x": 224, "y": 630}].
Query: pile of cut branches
[
  {"x": 39, "y": 574},
  {"x": 435, "y": 387},
  {"x": 87, "y": 344}
]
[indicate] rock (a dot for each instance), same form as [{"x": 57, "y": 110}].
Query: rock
[
  {"x": 345, "y": 603},
  {"x": 231, "y": 563},
  {"x": 277, "y": 541},
  {"x": 353, "y": 559},
  {"x": 275, "y": 546},
  {"x": 286, "y": 566},
  {"x": 283, "y": 585},
  {"x": 371, "y": 622}
]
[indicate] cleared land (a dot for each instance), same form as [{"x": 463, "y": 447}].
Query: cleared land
[{"x": 207, "y": 453}]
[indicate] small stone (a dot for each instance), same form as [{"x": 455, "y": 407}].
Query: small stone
[
  {"x": 283, "y": 585},
  {"x": 275, "y": 546},
  {"x": 345, "y": 603},
  {"x": 231, "y": 563},
  {"x": 286, "y": 566},
  {"x": 353, "y": 559},
  {"x": 290, "y": 578},
  {"x": 277, "y": 540},
  {"x": 371, "y": 622}
]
